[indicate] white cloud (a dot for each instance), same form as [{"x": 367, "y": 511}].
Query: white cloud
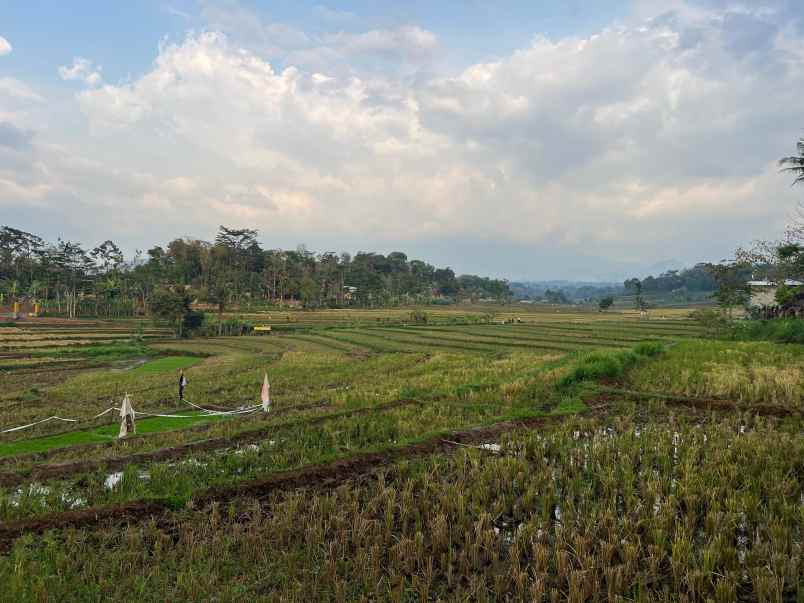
[
  {"x": 5, "y": 46},
  {"x": 270, "y": 39},
  {"x": 648, "y": 140},
  {"x": 15, "y": 88},
  {"x": 336, "y": 16},
  {"x": 407, "y": 42},
  {"x": 82, "y": 70},
  {"x": 355, "y": 48},
  {"x": 171, "y": 10}
]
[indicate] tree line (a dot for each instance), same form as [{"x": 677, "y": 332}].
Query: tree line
[
  {"x": 699, "y": 279},
  {"x": 233, "y": 270}
]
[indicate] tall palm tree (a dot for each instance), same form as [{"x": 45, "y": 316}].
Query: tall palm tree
[{"x": 795, "y": 164}]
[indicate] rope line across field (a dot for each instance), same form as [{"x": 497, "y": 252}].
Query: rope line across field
[{"x": 129, "y": 414}]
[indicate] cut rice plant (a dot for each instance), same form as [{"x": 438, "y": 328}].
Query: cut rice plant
[
  {"x": 752, "y": 373},
  {"x": 596, "y": 510}
]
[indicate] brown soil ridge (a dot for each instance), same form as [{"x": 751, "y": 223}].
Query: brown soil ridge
[
  {"x": 314, "y": 476},
  {"x": 337, "y": 472},
  {"x": 164, "y": 454},
  {"x": 771, "y": 410}
]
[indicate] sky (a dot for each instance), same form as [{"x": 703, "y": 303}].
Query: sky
[{"x": 518, "y": 139}]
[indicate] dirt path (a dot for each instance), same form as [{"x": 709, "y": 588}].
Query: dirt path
[{"x": 315, "y": 476}]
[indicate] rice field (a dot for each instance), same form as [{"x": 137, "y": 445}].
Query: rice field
[
  {"x": 291, "y": 319},
  {"x": 750, "y": 373},
  {"x": 562, "y": 456}
]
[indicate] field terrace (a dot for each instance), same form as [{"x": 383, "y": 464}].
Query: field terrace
[{"x": 454, "y": 461}]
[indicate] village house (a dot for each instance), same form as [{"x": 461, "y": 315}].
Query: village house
[
  {"x": 349, "y": 293},
  {"x": 763, "y": 300}
]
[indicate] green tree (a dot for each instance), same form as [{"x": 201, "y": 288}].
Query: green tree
[
  {"x": 634, "y": 285},
  {"x": 605, "y": 303},
  {"x": 732, "y": 287},
  {"x": 795, "y": 163},
  {"x": 232, "y": 270},
  {"x": 173, "y": 306},
  {"x": 309, "y": 291}
]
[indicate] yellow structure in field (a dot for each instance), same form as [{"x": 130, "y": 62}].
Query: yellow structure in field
[{"x": 262, "y": 329}]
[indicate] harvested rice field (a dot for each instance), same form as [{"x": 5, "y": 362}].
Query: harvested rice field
[
  {"x": 574, "y": 456},
  {"x": 291, "y": 319}
]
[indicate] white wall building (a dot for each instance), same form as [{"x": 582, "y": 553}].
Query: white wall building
[{"x": 763, "y": 293}]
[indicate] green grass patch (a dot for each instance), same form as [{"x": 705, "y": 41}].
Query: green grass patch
[
  {"x": 609, "y": 365},
  {"x": 106, "y": 433},
  {"x": 106, "y": 352},
  {"x": 62, "y": 440}
]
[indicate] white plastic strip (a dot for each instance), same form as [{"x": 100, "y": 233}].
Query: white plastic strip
[
  {"x": 149, "y": 414},
  {"x": 214, "y": 413},
  {"x": 198, "y": 407},
  {"x": 209, "y": 411},
  {"x": 53, "y": 418},
  {"x": 106, "y": 412}
]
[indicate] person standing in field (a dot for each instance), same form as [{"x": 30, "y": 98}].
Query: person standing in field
[{"x": 182, "y": 384}]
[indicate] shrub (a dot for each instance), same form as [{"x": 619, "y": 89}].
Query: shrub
[
  {"x": 193, "y": 320},
  {"x": 782, "y": 330},
  {"x": 609, "y": 365},
  {"x": 210, "y": 326},
  {"x": 606, "y": 303},
  {"x": 714, "y": 322},
  {"x": 649, "y": 348},
  {"x": 418, "y": 317}
]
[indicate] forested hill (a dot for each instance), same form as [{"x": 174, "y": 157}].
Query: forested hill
[
  {"x": 233, "y": 270},
  {"x": 687, "y": 284}
]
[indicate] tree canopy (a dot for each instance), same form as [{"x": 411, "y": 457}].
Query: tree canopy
[{"x": 234, "y": 269}]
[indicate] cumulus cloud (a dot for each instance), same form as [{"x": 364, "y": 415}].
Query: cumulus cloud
[
  {"x": 82, "y": 70},
  {"x": 5, "y": 46},
  {"x": 652, "y": 139}
]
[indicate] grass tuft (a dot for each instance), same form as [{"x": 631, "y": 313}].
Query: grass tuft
[{"x": 609, "y": 365}]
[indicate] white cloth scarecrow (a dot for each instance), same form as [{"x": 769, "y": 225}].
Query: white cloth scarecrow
[
  {"x": 265, "y": 395},
  {"x": 126, "y": 418}
]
